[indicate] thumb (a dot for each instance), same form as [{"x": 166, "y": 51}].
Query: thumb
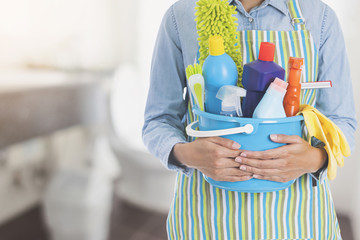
[{"x": 225, "y": 142}]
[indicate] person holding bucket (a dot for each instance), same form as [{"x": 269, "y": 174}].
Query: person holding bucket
[{"x": 202, "y": 211}]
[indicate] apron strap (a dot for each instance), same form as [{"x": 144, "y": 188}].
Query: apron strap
[{"x": 297, "y": 19}]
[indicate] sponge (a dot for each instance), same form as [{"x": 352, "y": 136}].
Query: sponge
[{"x": 215, "y": 17}]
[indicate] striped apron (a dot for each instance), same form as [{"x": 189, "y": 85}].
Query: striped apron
[{"x": 302, "y": 211}]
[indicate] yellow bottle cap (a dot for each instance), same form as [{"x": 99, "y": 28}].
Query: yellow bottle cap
[{"x": 216, "y": 45}]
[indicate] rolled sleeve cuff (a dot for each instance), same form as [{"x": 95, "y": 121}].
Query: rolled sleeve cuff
[
  {"x": 169, "y": 160},
  {"x": 321, "y": 174}
]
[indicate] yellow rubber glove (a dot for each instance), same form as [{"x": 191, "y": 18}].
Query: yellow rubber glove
[{"x": 325, "y": 130}]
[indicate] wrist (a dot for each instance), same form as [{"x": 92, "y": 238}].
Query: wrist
[
  {"x": 178, "y": 153},
  {"x": 319, "y": 160}
]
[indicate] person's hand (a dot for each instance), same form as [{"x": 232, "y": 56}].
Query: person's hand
[
  {"x": 214, "y": 157},
  {"x": 285, "y": 163}
]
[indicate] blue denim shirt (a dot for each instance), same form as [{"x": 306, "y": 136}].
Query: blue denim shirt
[{"x": 176, "y": 48}]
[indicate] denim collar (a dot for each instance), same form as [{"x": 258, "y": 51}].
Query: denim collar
[{"x": 281, "y": 5}]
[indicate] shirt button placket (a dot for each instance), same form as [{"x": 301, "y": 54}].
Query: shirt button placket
[{"x": 251, "y": 22}]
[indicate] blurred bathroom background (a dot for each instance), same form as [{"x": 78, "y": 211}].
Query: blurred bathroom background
[{"x": 73, "y": 82}]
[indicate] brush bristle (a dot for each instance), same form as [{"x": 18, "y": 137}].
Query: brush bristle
[{"x": 193, "y": 69}]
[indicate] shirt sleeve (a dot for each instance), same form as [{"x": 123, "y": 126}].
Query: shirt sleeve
[
  {"x": 320, "y": 175},
  {"x": 337, "y": 103},
  {"x": 166, "y": 105}
]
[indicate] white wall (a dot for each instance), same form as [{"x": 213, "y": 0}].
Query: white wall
[
  {"x": 135, "y": 67},
  {"x": 65, "y": 34}
]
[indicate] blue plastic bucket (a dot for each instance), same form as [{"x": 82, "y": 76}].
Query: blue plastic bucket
[{"x": 252, "y": 134}]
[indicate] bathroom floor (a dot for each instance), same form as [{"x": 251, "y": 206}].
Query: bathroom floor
[{"x": 128, "y": 222}]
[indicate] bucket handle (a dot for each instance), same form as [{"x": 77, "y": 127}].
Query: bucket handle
[{"x": 190, "y": 130}]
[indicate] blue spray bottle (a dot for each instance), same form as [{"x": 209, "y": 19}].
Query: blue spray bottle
[{"x": 219, "y": 69}]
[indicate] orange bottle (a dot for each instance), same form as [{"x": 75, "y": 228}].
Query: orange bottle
[{"x": 292, "y": 96}]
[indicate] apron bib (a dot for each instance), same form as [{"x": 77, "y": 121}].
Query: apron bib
[{"x": 202, "y": 211}]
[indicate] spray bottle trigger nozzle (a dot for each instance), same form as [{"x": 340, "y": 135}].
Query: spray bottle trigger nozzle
[{"x": 230, "y": 97}]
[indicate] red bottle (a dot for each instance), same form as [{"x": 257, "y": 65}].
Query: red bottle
[{"x": 292, "y": 96}]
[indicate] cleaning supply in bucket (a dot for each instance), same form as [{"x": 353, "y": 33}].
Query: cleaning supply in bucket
[
  {"x": 218, "y": 17},
  {"x": 257, "y": 76},
  {"x": 292, "y": 96},
  {"x": 196, "y": 84},
  {"x": 271, "y": 105},
  {"x": 219, "y": 69},
  {"x": 230, "y": 100},
  {"x": 318, "y": 84}
]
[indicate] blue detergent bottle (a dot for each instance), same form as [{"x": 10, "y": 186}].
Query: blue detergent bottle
[
  {"x": 271, "y": 105},
  {"x": 257, "y": 76},
  {"x": 219, "y": 69}
]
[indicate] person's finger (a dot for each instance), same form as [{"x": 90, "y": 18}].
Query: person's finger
[
  {"x": 230, "y": 175},
  {"x": 226, "y": 163},
  {"x": 237, "y": 172},
  {"x": 282, "y": 138},
  {"x": 262, "y": 172},
  {"x": 222, "y": 172},
  {"x": 274, "y": 153},
  {"x": 218, "y": 152},
  {"x": 236, "y": 178},
  {"x": 261, "y": 163},
  {"x": 272, "y": 178},
  {"x": 225, "y": 142}
]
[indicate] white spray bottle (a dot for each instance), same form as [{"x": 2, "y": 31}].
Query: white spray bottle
[{"x": 230, "y": 100}]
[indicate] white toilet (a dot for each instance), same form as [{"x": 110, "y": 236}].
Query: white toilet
[{"x": 144, "y": 181}]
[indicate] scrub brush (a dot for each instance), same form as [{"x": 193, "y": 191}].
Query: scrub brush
[
  {"x": 196, "y": 84},
  {"x": 215, "y": 17}
]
